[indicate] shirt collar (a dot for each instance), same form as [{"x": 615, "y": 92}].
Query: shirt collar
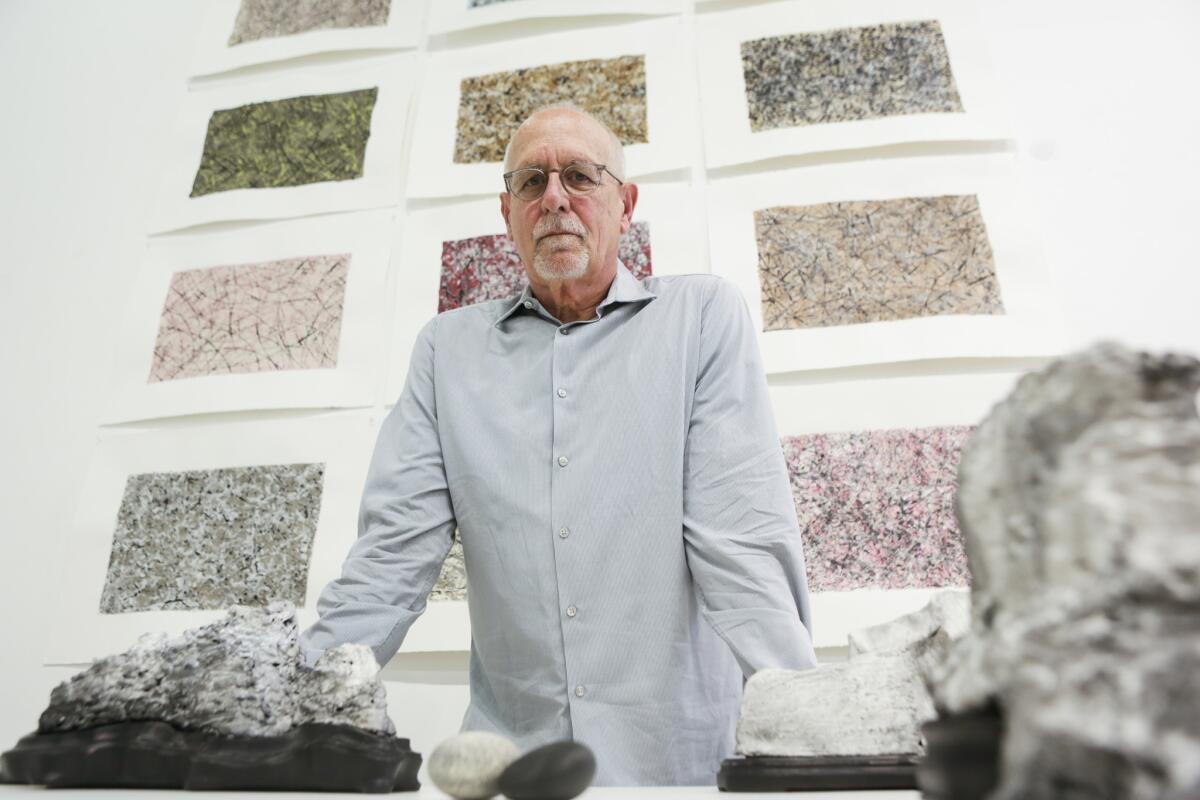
[{"x": 624, "y": 289}]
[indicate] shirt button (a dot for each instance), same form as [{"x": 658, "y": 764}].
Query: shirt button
[
  {"x": 562, "y": 392},
  {"x": 562, "y": 461},
  {"x": 528, "y": 304},
  {"x": 564, "y": 532},
  {"x": 580, "y": 691},
  {"x": 563, "y": 331},
  {"x": 572, "y": 611}
]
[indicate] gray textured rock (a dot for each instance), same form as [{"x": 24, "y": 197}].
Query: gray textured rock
[
  {"x": 873, "y": 704},
  {"x": 1079, "y": 497},
  {"x": 240, "y": 675},
  {"x": 468, "y": 766}
]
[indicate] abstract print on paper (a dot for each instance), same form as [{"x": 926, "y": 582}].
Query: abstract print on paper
[
  {"x": 873, "y": 260},
  {"x": 452, "y": 582},
  {"x": 289, "y": 142},
  {"x": 876, "y": 509},
  {"x": 492, "y": 106},
  {"x": 848, "y": 74},
  {"x": 267, "y": 19},
  {"x": 277, "y": 315},
  {"x": 208, "y": 539},
  {"x": 488, "y": 268}
]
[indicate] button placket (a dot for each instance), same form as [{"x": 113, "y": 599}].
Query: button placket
[{"x": 564, "y": 429}]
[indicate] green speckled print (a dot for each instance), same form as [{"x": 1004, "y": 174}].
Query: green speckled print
[{"x": 289, "y": 142}]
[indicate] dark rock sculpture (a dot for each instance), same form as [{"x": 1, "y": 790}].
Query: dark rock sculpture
[
  {"x": 224, "y": 706},
  {"x": 557, "y": 771},
  {"x": 1079, "y": 497}
]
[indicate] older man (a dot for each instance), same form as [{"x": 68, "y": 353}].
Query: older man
[{"x": 607, "y": 451}]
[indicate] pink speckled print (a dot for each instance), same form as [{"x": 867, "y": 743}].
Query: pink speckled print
[
  {"x": 488, "y": 268},
  {"x": 877, "y": 508},
  {"x": 275, "y": 315}
]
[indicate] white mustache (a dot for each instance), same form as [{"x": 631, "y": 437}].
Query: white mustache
[{"x": 549, "y": 226}]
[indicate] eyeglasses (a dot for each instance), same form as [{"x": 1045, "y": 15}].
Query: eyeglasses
[{"x": 529, "y": 183}]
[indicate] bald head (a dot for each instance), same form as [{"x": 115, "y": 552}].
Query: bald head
[{"x": 567, "y": 118}]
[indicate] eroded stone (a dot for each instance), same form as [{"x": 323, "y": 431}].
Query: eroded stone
[
  {"x": 1079, "y": 497},
  {"x": 872, "y": 704},
  {"x": 238, "y": 676},
  {"x": 468, "y": 766}
]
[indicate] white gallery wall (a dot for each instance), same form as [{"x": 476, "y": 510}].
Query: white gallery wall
[{"x": 1104, "y": 129}]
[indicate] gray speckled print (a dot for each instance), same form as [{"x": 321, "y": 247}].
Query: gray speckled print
[
  {"x": 452, "y": 583},
  {"x": 848, "y": 74},
  {"x": 208, "y": 539}
]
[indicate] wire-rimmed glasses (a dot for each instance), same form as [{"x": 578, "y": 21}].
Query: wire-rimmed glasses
[{"x": 578, "y": 178}]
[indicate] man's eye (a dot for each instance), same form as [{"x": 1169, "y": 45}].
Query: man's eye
[
  {"x": 578, "y": 176},
  {"x": 532, "y": 180}
]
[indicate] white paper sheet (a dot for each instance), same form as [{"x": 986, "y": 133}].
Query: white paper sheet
[
  {"x": 452, "y": 15},
  {"x": 670, "y": 210},
  {"x": 80, "y": 632},
  {"x": 670, "y": 94},
  {"x": 378, "y": 187},
  {"x": 915, "y": 401},
  {"x": 918, "y": 401},
  {"x": 1030, "y": 325},
  {"x": 365, "y": 236},
  {"x": 214, "y": 54},
  {"x": 728, "y": 138},
  {"x": 836, "y": 614}
]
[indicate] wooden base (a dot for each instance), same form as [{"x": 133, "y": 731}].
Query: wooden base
[
  {"x": 962, "y": 756},
  {"x": 328, "y": 758},
  {"x": 816, "y": 773}
]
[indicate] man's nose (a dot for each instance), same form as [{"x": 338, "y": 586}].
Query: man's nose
[{"x": 555, "y": 199}]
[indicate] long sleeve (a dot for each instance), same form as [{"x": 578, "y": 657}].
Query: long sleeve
[
  {"x": 740, "y": 531},
  {"x": 405, "y": 527}
]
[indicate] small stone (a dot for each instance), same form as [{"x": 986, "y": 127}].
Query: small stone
[
  {"x": 557, "y": 771},
  {"x": 468, "y": 766}
]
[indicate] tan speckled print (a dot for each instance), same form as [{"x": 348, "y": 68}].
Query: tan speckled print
[
  {"x": 865, "y": 261},
  {"x": 268, "y": 19},
  {"x": 492, "y": 106}
]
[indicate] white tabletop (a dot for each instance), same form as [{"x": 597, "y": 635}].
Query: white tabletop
[{"x": 430, "y": 793}]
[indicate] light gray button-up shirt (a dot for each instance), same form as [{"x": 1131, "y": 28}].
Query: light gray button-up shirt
[{"x": 629, "y": 532}]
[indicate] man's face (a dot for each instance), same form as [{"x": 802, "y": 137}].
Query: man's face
[{"x": 560, "y": 236}]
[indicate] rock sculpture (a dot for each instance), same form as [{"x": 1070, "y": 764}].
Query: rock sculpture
[
  {"x": 226, "y": 705},
  {"x": 1079, "y": 497},
  {"x": 797, "y": 728},
  {"x": 468, "y": 766}
]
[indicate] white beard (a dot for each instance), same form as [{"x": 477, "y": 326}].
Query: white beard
[{"x": 551, "y": 268}]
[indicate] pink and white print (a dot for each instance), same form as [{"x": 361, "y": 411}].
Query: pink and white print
[
  {"x": 275, "y": 315},
  {"x": 876, "y": 509}
]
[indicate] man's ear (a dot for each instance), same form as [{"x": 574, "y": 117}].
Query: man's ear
[
  {"x": 629, "y": 195},
  {"x": 504, "y": 210}
]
